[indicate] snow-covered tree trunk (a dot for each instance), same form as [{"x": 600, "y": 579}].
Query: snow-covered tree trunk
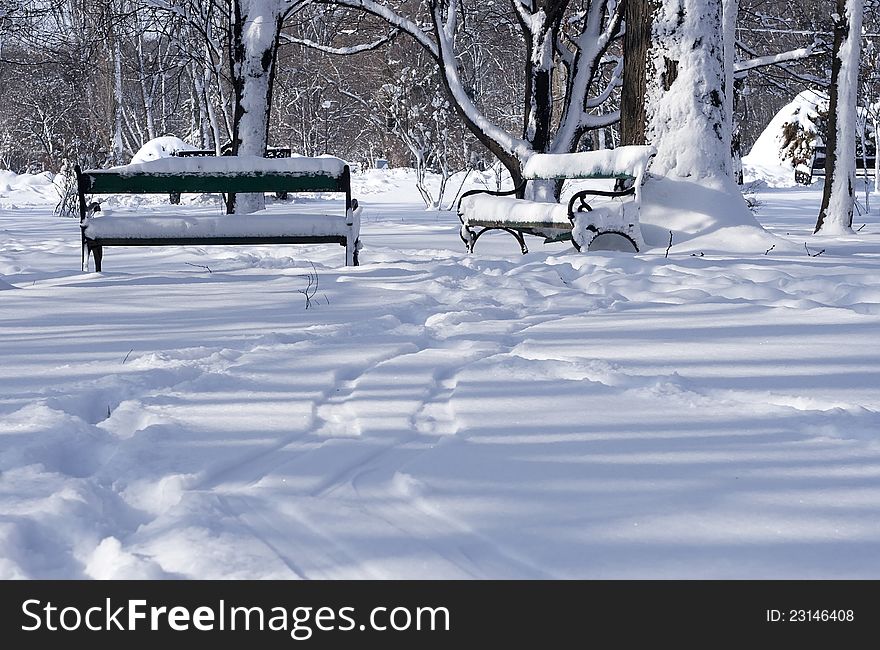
[
  {"x": 876, "y": 110},
  {"x": 256, "y": 25},
  {"x": 687, "y": 105},
  {"x": 730, "y": 13},
  {"x": 838, "y": 199},
  {"x": 542, "y": 26},
  {"x": 118, "y": 103},
  {"x": 146, "y": 91}
]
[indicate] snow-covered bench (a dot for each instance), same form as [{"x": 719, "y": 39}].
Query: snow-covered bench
[
  {"x": 239, "y": 174},
  {"x": 612, "y": 225},
  {"x": 804, "y": 173}
]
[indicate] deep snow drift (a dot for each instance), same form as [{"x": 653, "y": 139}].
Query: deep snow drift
[{"x": 191, "y": 412}]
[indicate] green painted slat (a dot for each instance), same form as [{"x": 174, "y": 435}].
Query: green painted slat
[
  {"x": 221, "y": 241},
  {"x": 101, "y": 182},
  {"x": 519, "y": 225}
]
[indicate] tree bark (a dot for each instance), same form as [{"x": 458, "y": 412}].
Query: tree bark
[{"x": 636, "y": 42}]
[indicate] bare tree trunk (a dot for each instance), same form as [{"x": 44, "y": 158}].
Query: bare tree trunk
[{"x": 636, "y": 42}]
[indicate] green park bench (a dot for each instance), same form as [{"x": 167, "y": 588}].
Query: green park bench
[
  {"x": 234, "y": 174},
  {"x": 612, "y": 225}
]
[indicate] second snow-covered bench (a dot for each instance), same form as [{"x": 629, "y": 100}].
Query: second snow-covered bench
[
  {"x": 612, "y": 225},
  {"x": 239, "y": 174}
]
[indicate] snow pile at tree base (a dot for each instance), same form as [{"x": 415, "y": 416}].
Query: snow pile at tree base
[{"x": 707, "y": 215}]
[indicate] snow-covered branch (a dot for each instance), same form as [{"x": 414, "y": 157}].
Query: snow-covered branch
[
  {"x": 391, "y": 17},
  {"x": 341, "y": 51},
  {"x": 613, "y": 82},
  {"x": 524, "y": 9},
  {"x": 590, "y": 46},
  {"x": 816, "y": 48},
  {"x": 509, "y": 144}
]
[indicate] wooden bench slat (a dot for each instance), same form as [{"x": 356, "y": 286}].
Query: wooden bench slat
[
  {"x": 180, "y": 226},
  {"x": 219, "y": 241},
  {"x": 101, "y": 182}
]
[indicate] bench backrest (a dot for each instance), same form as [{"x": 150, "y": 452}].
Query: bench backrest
[
  {"x": 627, "y": 162},
  {"x": 107, "y": 182},
  {"x": 272, "y": 152},
  {"x": 865, "y": 161},
  {"x": 223, "y": 174}
]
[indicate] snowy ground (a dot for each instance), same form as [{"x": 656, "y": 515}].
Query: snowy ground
[{"x": 438, "y": 415}]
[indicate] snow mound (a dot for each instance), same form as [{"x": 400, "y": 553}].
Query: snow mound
[
  {"x": 158, "y": 148},
  {"x": 27, "y": 189},
  {"x": 5, "y": 285},
  {"x": 773, "y": 156}
]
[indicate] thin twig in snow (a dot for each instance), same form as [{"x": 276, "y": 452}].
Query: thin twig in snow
[
  {"x": 766, "y": 252},
  {"x": 201, "y": 266},
  {"x": 311, "y": 287},
  {"x": 126, "y": 356},
  {"x": 670, "y": 244}
]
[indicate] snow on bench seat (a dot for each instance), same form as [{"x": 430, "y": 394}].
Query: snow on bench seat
[
  {"x": 236, "y": 166},
  {"x": 498, "y": 211},
  {"x": 227, "y": 226}
]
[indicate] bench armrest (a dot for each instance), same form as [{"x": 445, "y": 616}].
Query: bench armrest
[
  {"x": 518, "y": 191},
  {"x": 580, "y": 197}
]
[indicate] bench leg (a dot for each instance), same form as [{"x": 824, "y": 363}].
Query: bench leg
[
  {"x": 468, "y": 236},
  {"x": 98, "y": 254},
  {"x": 351, "y": 251},
  {"x": 519, "y": 238},
  {"x": 89, "y": 248}
]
